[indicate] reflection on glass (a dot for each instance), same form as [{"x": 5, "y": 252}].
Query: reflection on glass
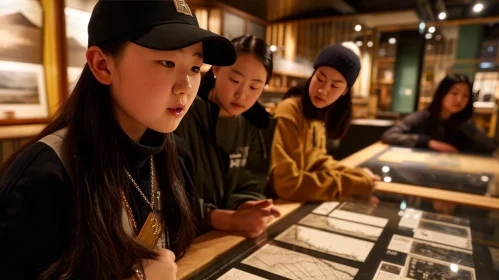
[
  {"x": 403, "y": 205},
  {"x": 385, "y": 169},
  {"x": 485, "y": 178},
  {"x": 454, "y": 267},
  {"x": 387, "y": 179}
]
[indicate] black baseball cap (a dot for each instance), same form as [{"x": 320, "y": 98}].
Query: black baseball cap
[{"x": 156, "y": 24}]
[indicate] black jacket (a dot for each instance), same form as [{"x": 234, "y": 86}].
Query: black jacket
[
  {"x": 231, "y": 156},
  {"x": 417, "y": 129},
  {"x": 36, "y": 221}
]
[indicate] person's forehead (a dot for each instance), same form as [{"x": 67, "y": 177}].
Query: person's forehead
[
  {"x": 330, "y": 72},
  {"x": 461, "y": 86}
]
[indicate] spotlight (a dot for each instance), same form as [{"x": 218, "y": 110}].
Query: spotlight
[
  {"x": 370, "y": 44},
  {"x": 273, "y": 48},
  {"x": 478, "y": 7},
  {"x": 392, "y": 41},
  {"x": 442, "y": 16},
  {"x": 358, "y": 27},
  {"x": 432, "y": 29}
]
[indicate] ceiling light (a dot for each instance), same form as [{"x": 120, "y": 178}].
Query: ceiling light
[
  {"x": 273, "y": 48},
  {"x": 392, "y": 41},
  {"x": 358, "y": 27},
  {"x": 359, "y": 43},
  {"x": 487, "y": 65},
  {"x": 478, "y": 7},
  {"x": 370, "y": 44},
  {"x": 442, "y": 16},
  {"x": 428, "y": 36},
  {"x": 432, "y": 29}
]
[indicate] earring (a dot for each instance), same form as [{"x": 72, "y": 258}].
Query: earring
[{"x": 215, "y": 76}]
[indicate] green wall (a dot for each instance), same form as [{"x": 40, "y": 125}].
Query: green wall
[
  {"x": 408, "y": 64},
  {"x": 468, "y": 48}
]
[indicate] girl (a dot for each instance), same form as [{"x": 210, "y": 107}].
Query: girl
[
  {"x": 83, "y": 199},
  {"x": 446, "y": 125},
  {"x": 227, "y": 178},
  {"x": 300, "y": 168}
]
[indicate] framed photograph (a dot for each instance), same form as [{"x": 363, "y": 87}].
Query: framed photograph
[{"x": 23, "y": 93}]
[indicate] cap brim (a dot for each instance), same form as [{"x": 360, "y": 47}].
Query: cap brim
[{"x": 217, "y": 50}]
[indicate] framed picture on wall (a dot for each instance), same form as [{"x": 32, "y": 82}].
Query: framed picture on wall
[
  {"x": 22, "y": 80},
  {"x": 22, "y": 91}
]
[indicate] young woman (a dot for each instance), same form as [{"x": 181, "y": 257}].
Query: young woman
[
  {"x": 300, "y": 168},
  {"x": 83, "y": 199},
  {"x": 446, "y": 125},
  {"x": 228, "y": 147}
]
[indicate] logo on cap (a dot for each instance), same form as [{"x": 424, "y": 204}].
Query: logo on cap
[{"x": 182, "y": 7}]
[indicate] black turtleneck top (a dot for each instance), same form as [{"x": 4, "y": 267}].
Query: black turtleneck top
[{"x": 35, "y": 211}]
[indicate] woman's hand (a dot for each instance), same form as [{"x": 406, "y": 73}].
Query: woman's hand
[
  {"x": 371, "y": 175},
  {"x": 441, "y": 147},
  {"x": 163, "y": 268},
  {"x": 252, "y": 217}
]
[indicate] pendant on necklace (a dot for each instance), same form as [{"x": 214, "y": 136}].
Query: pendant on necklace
[{"x": 151, "y": 231}]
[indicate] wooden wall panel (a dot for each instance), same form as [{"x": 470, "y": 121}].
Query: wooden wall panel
[{"x": 54, "y": 50}]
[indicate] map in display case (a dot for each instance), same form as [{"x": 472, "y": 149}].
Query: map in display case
[
  {"x": 295, "y": 265},
  {"x": 315, "y": 243}
]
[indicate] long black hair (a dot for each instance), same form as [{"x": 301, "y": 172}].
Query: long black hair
[
  {"x": 443, "y": 89},
  {"x": 247, "y": 44},
  {"x": 99, "y": 247},
  {"x": 336, "y": 116}
]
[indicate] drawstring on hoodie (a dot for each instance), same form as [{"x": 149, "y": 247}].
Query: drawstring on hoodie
[{"x": 262, "y": 143}]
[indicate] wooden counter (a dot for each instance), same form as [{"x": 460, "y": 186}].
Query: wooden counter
[{"x": 211, "y": 245}]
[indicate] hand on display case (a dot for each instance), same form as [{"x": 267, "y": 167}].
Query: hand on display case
[
  {"x": 162, "y": 268},
  {"x": 441, "y": 147},
  {"x": 444, "y": 207},
  {"x": 252, "y": 217},
  {"x": 374, "y": 177},
  {"x": 374, "y": 200}
]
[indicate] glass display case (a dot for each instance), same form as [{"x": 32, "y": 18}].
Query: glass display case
[{"x": 355, "y": 239}]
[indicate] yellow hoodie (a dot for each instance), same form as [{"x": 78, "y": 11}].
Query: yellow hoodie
[{"x": 300, "y": 168}]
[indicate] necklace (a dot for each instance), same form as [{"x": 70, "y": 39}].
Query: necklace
[
  {"x": 152, "y": 219},
  {"x": 151, "y": 203}
]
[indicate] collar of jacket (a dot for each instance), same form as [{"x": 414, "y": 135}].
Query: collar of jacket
[{"x": 256, "y": 115}]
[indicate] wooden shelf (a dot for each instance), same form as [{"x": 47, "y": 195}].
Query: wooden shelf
[
  {"x": 277, "y": 90},
  {"x": 384, "y": 82},
  {"x": 385, "y": 59},
  {"x": 20, "y": 131},
  {"x": 291, "y": 74}
]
